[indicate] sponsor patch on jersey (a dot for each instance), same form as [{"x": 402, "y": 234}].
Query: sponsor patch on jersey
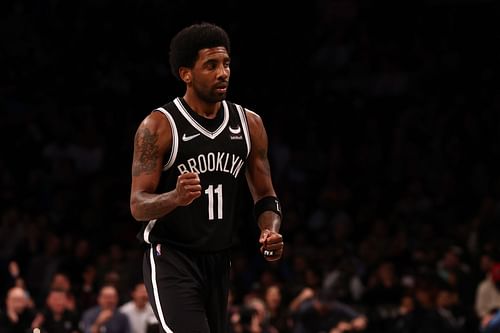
[
  {"x": 158, "y": 249},
  {"x": 236, "y": 130},
  {"x": 236, "y": 137}
]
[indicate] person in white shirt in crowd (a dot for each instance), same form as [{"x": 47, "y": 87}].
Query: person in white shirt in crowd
[
  {"x": 138, "y": 310},
  {"x": 488, "y": 292}
]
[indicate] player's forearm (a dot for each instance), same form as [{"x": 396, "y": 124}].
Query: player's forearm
[
  {"x": 269, "y": 220},
  {"x": 147, "y": 206}
]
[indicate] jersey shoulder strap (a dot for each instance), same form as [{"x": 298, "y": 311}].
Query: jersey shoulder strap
[
  {"x": 239, "y": 122},
  {"x": 171, "y": 112}
]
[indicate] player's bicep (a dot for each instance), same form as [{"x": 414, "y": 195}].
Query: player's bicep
[
  {"x": 258, "y": 170},
  {"x": 150, "y": 144}
]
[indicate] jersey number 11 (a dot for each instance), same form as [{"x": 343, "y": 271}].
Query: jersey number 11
[{"x": 211, "y": 201}]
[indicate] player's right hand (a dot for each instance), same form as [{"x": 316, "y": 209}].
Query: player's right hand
[{"x": 188, "y": 188}]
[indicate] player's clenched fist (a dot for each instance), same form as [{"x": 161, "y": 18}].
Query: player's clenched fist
[
  {"x": 271, "y": 244},
  {"x": 188, "y": 188}
]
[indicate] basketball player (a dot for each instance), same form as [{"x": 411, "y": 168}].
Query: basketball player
[{"x": 188, "y": 157}]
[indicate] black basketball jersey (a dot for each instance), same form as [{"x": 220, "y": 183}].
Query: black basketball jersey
[{"x": 218, "y": 155}]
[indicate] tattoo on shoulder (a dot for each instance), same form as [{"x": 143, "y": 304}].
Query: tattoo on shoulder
[{"x": 146, "y": 152}]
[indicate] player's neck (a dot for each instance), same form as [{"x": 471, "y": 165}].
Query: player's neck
[{"x": 204, "y": 109}]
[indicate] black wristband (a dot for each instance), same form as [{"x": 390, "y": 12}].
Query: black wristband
[{"x": 269, "y": 203}]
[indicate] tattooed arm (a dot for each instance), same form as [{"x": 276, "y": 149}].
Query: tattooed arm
[
  {"x": 260, "y": 184},
  {"x": 152, "y": 140}
]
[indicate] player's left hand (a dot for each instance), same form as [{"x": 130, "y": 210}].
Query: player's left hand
[{"x": 271, "y": 245}]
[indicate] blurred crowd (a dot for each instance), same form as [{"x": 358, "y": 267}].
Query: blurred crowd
[{"x": 384, "y": 126}]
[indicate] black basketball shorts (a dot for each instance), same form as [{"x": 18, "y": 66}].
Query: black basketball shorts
[{"x": 188, "y": 292}]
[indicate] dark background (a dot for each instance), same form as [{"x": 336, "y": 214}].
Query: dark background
[{"x": 383, "y": 120}]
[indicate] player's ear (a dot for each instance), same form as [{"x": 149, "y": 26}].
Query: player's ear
[{"x": 185, "y": 74}]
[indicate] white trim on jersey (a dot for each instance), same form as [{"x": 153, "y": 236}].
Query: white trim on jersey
[
  {"x": 147, "y": 230},
  {"x": 175, "y": 139},
  {"x": 244, "y": 122},
  {"x": 197, "y": 125},
  {"x": 156, "y": 295}
]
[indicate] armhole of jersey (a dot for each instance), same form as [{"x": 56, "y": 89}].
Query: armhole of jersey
[
  {"x": 175, "y": 139},
  {"x": 147, "y": 230},
  {"x": 244, "y": 123}
]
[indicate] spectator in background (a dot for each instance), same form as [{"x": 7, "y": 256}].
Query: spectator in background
[
  {"x": 488, "y": 293},
  {"x": 57, "y": 315},
  {"x": 105, "y": 315},
  {"x": 344, "y": 282},
  {"x": 316, "y": 310},
  {"x": 404, "y": 320},
  {"x": 18, "y": 316},
  {"x": 310, "y": 288},
  {"x": 78, "y": 259},
  {"x": 278, "y": 313},
  {"x": 245, "y": 321},
  {"x": 454, "y": 271},
  {"x": 252, "y": 317},
  {"x": 62, "y": 281},
  {"x": 451, "y": 317},
  {"x": 383, "y": 294},
  {"x": 86, "y": 292},
  {"x": 432, "y": 307},
  {"x": 261, "y": 322},
  {"x": 139, "y": 310}
]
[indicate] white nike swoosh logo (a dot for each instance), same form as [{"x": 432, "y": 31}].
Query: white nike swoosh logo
[
  {"x": 236, "y": 130},
  {"x": 190, "y": 137}
]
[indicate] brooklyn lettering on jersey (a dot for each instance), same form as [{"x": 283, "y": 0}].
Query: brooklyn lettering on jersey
[{"x": 212, "y": 162}]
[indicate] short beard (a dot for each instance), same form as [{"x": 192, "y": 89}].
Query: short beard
[{"x": 208, "y": 97}]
